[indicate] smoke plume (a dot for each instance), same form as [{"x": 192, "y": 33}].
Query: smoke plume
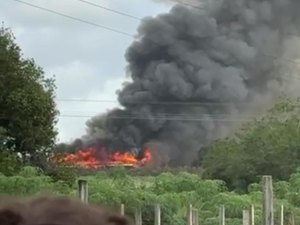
[{"x": 197, "y": 73}]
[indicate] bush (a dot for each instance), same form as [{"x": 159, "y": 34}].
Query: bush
[
  {"x": 173, "y": 193},
  {"x": 10, "y": 163},
  {"x": 63, "y": 173}
]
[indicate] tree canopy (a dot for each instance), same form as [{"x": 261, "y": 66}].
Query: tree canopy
[
  {"x": 27, "y": 108},
  {"x": 269, "y": 145}
]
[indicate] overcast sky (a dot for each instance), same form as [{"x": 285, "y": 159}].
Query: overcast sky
[{"x": 88, "y": 61}]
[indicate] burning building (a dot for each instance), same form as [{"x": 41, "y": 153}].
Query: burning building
[
  {"x": 90, "y": 158},
  {"x": 198, "y": 73}
]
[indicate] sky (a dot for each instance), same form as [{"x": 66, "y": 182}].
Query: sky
[{"x": 87, "y": 61}]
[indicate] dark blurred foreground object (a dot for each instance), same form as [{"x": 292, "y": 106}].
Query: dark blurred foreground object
[{"x": 56, "y": 211}]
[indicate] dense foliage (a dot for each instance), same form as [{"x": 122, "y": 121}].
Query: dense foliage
[
  {"x": 27, "y": 107},
  {"x": 269, "y": 145},
  {"x": 173, "y": 192}
]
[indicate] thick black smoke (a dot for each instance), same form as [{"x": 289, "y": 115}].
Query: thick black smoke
[{"x": 196, "y": 71}]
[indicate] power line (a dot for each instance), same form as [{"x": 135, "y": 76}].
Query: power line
[
  {"x": 75, "y": 18},
  {"x": 180, "y": 2},
  {"x": 99, "y": 6},
  {"x": 165, "y": 114},
  {"x": 111, "y": 10},
  {"x": 125, "y": 33},
  {"x": 159, "y": 118},
  {"x": 157, "y": 102},
  {"x": 130, "y": 35},
  {"x": 148, "y": 102},
  {"x": 122, "y": 32},
  {"x": 166, "y": 118},
  {"x": 292, "y": 61}
]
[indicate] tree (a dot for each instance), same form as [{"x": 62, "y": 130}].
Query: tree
[
  {"x": 270, "y": 145},
  {"x": 27, "y": 108},
  {"x": 10, "y": 162}
]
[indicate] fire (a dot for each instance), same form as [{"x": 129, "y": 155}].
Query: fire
[{"x": 87, "y": 158}]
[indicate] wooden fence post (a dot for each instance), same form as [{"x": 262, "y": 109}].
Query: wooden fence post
[
  {"x": 268, "y": 211},
  {"x": 122, "y": 210},
  {"x": 246, "y": 217},
  {"x": 138, "y": 216},
  {"x": 252, "y": 215},
  {"x": 222, "y": 215},
  {"x": 190, "y": 215},
  {"x": 157, "y": 215},
  {"x": 195, "y": 217},
  {"x": 282, "y": 215},
  {"x": 83, "y": 190},
  {"x": 293, "y": 219}
]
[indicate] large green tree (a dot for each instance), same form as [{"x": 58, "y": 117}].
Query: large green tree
[
  {"x": 267, "y": 146},
  {"x": 27, "y": 107}
]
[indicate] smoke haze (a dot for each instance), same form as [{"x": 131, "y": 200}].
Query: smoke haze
[{"x": 198, "y": 74}]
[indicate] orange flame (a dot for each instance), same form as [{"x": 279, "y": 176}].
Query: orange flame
[{"x": 87, "y": 158}]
